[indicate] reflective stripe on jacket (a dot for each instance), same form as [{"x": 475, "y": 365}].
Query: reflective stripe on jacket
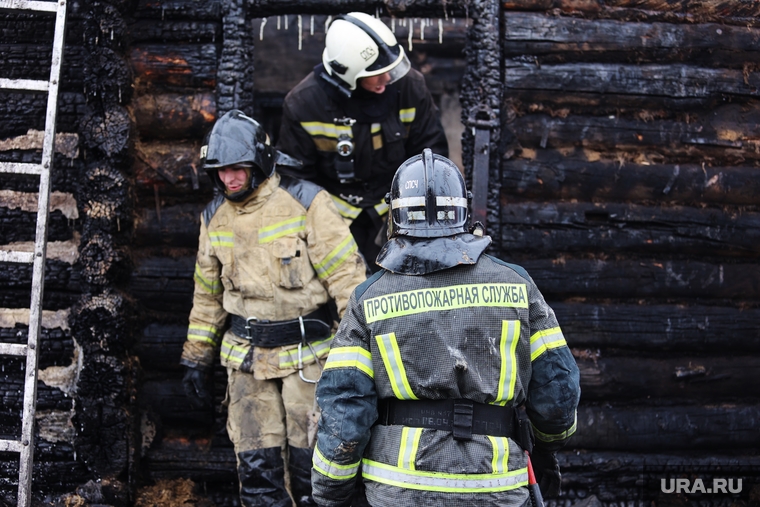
[
  {"x": 272, "y": 257},
  {"x": 481, "y": 332}
]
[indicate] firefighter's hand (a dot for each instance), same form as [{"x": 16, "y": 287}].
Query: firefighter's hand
[
  {"x": 196, "y": 383},
  {"x": 546, "y": 468}
]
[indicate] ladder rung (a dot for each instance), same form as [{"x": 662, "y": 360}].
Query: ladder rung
[
  {"x": 20, "y": 168},
  {"x": 15, "y": 256},
  {"x": 24, "y": 84},
  {"x": 29, "y": 5},
  {"x": 13, "y": 349},
  {"x": 10, "y": 446}
]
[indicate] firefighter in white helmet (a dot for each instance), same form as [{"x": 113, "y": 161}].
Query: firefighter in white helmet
[
  {"x": 273, "y": 253},
  {"x": 356, "y": 118},
  {"x": 438, "y": 352}
]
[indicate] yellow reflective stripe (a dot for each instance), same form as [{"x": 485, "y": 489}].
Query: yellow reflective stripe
[
  {"x": 381, "y": 208},
  {"x": 333, "y": 470},
  {"x": 213, "y": 288},
  {"x": 289, "y": 358},
  {"x": 544, "y": 340},
  {"x": 289, "y": 226},
  {"x": 443, "y": 482},
  {"x": 391, "y": 355},
  {"x": 233, "y": 353},
  {"x": 510, "y": 337},
  {"x": 337, "y": 257},
  {"x": 199, "y": 333},
  {"x": 547, "y": 437},
  {"x": 375, "y": 128},
  {"x": 500, "y": 461},
  {"x": 407, "y": 115},
  {"x": 315, "y": 128},
  {"x": 398, "y": 304},
  {"x": 345, "y": 209},
  {"x": 222, "y": 239},
  {"x": 410, "y": 442},
  {"x": 351, "y": 357}
]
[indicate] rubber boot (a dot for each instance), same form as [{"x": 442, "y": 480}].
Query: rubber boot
[
  {"x": 300, "y": 476},
  {"x": 261, "y": 473}
]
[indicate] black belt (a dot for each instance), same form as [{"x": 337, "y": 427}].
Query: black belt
[
  {"x": 462, "y": 417},
  {"x": 267, "y": 333}
]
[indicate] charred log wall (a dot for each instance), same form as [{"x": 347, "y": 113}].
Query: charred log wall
[
  {"x": 629, "y": 159},
  {"x": 85, "y": 429}
]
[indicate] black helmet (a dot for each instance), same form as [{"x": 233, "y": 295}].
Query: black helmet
[
  {"x": 428, "y": 198},
  {"x": 238, "y": 139}
]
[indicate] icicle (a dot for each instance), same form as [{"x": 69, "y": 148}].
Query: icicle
[
  {"x": 111, "y": 33},
  {"x": 411, "y": 33},
  {"x": 286, "y": 21},
  {"x": 120, "y": 95},
  {"x": 327, "y": 22},
  {"x": 440, "y": 31},
  {"x": 279, "y": 20},
  {"x": 423, "y": 22},
  {"x": 377, "y": 12},
  {"x": 261, "y": 28},
  {"x": 162, "y": 13},
  {"x": 393, "y": 25},
  {"x": 96, "y": 39},
  {"x": 311, "y": 25},
  {"x": 300, "y": 36}
]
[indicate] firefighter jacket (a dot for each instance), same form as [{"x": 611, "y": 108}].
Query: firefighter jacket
[
  {"x": 389, "y": 129},
  {"x": 280, "y": 254},
  {"x": 479, "y": 331}
]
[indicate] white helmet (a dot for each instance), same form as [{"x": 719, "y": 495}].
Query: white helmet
[{"x": 358, "y": 45}]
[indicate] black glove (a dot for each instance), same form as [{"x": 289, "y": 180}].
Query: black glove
[
  {"x": 196, "y": 384},
  {"x": 546, "y": 468}
]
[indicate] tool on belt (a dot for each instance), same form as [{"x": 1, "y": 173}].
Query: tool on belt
[
  {"x": 460, "y": 416},
  {"x": 536, "y": 499}
]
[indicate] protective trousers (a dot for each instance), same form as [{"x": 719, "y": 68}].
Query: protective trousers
[{"x": 268, "y": 423}]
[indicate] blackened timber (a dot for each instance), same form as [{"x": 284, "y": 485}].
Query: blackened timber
[
  {"x": 687, "y": 142},
  {"x": 677, "y": 81},
  {"x": 559, "y": 39},
  {"x": 160, "y": 344},
  {"x": 174, "y": 167},
  {"x": 558, "y": 227},
  {"x": 164, "y": 283},
  {"x": 645, "y": 278},
  {"x": 162, "y": 66},
  {"x": 663, "y": 328},
  {"x": 151, "y": 30},
  {"x": 708, "y": 9},
  {"x": 32, "y": 61},
  {"x": 552, "y": 176},
  {"x": 685, "y": 378},
  {"x": 204, "y": 10},
  {"x": 177, "y": 227},
  {"x": 398, "y": 8},
  {"x": 195, "y": 460},
  {"x": 174, "y": 116},
  {"x": 19, "y": 225},
  {"x": 720, "y": 427}
]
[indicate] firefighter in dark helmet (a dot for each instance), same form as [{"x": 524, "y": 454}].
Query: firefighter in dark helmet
[
  {"x": 356, "y": 118},
  {"x": 436, "y": 357},
  {"x": 273, "y": 252}
]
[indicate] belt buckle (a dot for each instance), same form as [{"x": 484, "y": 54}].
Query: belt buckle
[
  {"x": 462, "y": 423},
  {"x": 248, "y": 326},
  {"x": 353, "y": 200}
]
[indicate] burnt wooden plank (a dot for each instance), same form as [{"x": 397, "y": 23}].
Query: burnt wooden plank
[
  {"x": 156, "y": 30},
  {"x": 686, "y": 378},
  {"x": 164, "y": 283},
  {"x": 159, "y": 345},
  {"x": 559, "y": 39},
  {"x": 554, "y": 176},
  {"x": 21, "y": 112},
  {"x": 172, "y": 169},
  {"x": 177, "y": 226},
  {"x": 559, "y": 227},
  {"x": 161, "y": 66},
  {"x": 719, "y": 427},
  {"x": 203, "y": 10},
  {"x": 687, "y": 328},
  {"x": 658, "y": 83},
  {"x": 652, "y": 280},
  {"x": 723, "y": 143},
  {"x": 174, "y": 116}
]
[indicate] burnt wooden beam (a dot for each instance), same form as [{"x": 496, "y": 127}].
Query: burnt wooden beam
[
  {"x": 174, "y": 168},
  {"x": 21, "y": 112},
  {"x": 398, "y": 8},
  {"x": 559, "y": 39},
  {"x": 552, "y": 176},
  {"x": 194, "y": 459},
  {"x": 690, "y": 142},
  {"x": 720, "y": 427},
  {"x": 561, "y": 227},
  {"x": 178, "y": 226},
  {"x": 652, "y": 280},
  {"x": 684, "y": 328},
  {"x": 682, "y": 379},
  {"x": 169, "y": 31},
  {"x": 174, "y": 116},
  {"x": 164, "y": 283},
  {"x": 158, "y": 67}
]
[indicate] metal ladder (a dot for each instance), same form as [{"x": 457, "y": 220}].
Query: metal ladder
[{"x": 25, "y": 445}]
